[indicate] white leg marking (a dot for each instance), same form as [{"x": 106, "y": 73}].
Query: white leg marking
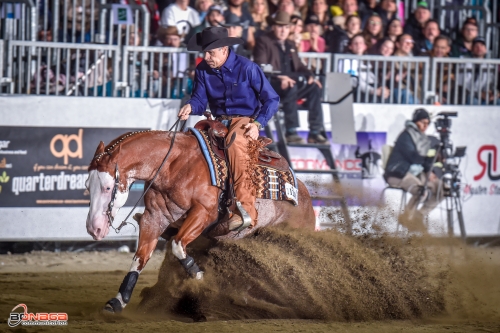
[
  {"x": 135, "y": 265},
  {"x": 177, "y": 250}
]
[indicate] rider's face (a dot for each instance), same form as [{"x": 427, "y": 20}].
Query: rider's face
[{"x": 216, "y": 57}]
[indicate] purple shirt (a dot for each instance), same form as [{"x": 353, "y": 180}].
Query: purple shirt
[{"x": 238, "y": 88}]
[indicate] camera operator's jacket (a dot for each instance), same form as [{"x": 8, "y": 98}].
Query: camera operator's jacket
[{"x": 410, "y": 148}]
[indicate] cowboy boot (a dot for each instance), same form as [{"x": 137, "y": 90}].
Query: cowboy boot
[{"x": 234, "y": 222}]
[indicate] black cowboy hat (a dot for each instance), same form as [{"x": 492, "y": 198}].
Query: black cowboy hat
[{"x": 211, "y": 38}]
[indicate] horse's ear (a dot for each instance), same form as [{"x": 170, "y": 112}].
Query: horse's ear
[{"x": 100, "y": 149}]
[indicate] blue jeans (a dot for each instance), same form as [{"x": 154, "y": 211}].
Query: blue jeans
[{"x": 406, "y": 96}]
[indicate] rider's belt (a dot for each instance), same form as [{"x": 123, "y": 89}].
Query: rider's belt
[{"x": 224, "y": 117}]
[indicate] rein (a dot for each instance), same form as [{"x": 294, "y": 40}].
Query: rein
[{"x": 117, "y": 183}]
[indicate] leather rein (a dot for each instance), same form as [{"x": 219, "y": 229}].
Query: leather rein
[{"x": 117, "y": 183}]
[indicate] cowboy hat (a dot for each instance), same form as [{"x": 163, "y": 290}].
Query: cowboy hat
[
  {"x": 281, "y": 18},
  {"x": 167, "y": 31},
  {"x": 211, "y": 38}
]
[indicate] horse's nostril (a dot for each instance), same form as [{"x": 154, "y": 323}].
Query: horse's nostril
[{"x": 98, "y": 231}]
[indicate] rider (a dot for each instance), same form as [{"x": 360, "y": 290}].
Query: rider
[{"x": 237, "y": 91}]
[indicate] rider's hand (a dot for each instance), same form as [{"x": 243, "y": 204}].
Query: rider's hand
[
  {"x": 286, "y": 82},
  {"x": 252, "y": 130},
  {"x": 184, "y": 112}
]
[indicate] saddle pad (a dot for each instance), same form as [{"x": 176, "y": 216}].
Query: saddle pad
[{"x": 269, "y": 183}]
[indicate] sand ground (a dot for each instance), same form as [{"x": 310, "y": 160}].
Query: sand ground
[{"x": 80, "y": 283}]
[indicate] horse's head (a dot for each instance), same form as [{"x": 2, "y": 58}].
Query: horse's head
[{"x": 106, "y": 185}]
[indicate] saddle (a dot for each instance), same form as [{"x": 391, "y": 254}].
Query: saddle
[{"x": 217, "y": 134}]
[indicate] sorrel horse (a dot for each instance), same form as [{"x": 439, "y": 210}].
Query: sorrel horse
[{"x": 181, "y": 202}]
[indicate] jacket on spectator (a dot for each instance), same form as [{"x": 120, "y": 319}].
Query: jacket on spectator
[
  {"x": 413, "y": 28},
  {"x": 337, "y": 40},
  {"x": 410, "y": 148},
  {"x": 458, "y": 49},
  {"x": 363, "y": 71},
  {"x": 266, "y": 52}
]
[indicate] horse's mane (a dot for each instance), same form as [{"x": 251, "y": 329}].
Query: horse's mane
[{"x": 121, "y": 139}]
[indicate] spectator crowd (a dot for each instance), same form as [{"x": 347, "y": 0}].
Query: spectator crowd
[{"x": 357, "y": 27}]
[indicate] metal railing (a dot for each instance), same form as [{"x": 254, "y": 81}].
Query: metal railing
[
  {"x": 388, "y": 80},
  {"x": 162, "y": 72},
  {"x": 466, "y": 81},
  {"x": 319, "y": 64},
  {"x": 46, "y": 68},
  {"x": 19, "y": 21}
]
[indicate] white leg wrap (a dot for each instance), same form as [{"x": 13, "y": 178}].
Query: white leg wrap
[
  {"x": 119, "y": 297},
  {"x": 177, "y": 250}
]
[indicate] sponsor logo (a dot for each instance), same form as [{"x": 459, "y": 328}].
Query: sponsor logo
[
  {"x": 36, "y": 319},
  {"x": 4, "y": 178},
  {"x": 4, "y": 164},
  {"x": 48, "y": 183},
  {"x": 489, "y": 166},
  {"x": 5, "y": 144},
  {"x": 493, "y": 189},
  {"x": 66, "y": 152}
]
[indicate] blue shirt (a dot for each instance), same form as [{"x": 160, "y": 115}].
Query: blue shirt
[{"x": 238, "y": 88}]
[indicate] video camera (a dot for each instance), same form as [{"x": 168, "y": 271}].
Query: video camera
[{"x": 450, "y": 157}]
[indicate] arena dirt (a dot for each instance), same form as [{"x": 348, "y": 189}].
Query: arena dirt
[{"x": 278, "y": 280}]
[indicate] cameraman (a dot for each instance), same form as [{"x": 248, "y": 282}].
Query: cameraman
[{"x": 408, "y": 166}]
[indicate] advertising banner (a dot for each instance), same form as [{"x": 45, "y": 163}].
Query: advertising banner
[{"x": 47, "y": 166}]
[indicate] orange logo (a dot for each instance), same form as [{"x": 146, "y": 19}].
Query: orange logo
[{"x": 66, "y": 141}]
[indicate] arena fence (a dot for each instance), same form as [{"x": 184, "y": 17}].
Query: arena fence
[
  {"x": 45, "y": 68},
  {"x": 18, "y": 19},
  {"x": 466, "y": 81},
  {"x": 388, "y": 80}
]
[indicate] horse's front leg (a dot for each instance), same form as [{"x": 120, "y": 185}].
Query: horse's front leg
[
  {"x": 149, "y": 231},
  {"x": 193, "y": 226}
]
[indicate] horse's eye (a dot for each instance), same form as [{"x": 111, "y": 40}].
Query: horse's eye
[{"x": 109, "y": 188}]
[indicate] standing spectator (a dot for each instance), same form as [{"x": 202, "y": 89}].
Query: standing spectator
[
  {"x": 404, "y": 46},
  {"x": 302, "y": 6},
  {"x": 213, "y": 18},
  {"x": 240, "y": 9},
  {"x": 363, "y": 71},
  {"x": 366, "y": 8},
  {"x": 462, "y": 47},
  {"x": 295, "y": 81},
  {"x": 260, "y": 11},
  {"x": 320, "y": 9},
  {"x": 400, "y": 93},
  {"x": 445, "y": 71},
  {"x": 235, "y": 29},
  {"x": 479, "y": 79},
  {"x": 394, "y": 29},
  {"x": 202, "y": 7},
  {"x": 315, "y": 43},
  {"x": 338, "y": 39},
  {"x": 373, "y": 32},
  {"x": 296, "y": 29},
  {"x": 431, "y": 31},
  {"x": 416, "y": 22},
  {"x": 387, "y": 10},
  {"x": 180, "y": 15},
  {"x": 349, "y": 7}
]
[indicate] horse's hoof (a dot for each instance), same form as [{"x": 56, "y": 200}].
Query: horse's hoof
[
  {"x": 199, "y": 275},
  {"x": 113, "y": 306}
]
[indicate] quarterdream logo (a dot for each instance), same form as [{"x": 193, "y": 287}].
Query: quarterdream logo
[
  {"x": 490, "y": 166},
  {"x": 66, "y": 151},
  {"x": 36, "y": 319}
]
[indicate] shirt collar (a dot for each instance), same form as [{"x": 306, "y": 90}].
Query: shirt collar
[{"x": 230, "y": 61}]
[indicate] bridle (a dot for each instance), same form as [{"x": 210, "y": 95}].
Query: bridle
[{"x": 117, "y": 184}]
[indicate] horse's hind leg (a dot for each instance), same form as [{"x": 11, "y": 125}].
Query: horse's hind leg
[
  {"x": 192, "y": 227},
  {"x": 148, "y": 238}
]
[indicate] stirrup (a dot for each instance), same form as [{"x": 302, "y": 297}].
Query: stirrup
[{"x": 247, "y": 220}]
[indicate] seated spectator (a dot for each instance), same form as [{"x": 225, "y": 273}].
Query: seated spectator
[
  {"x": 338, "y": 39},
  {"x": 296, "y": 29},
  {"x": 445, "y": 79},
  {"x": 287, "y": 6},
  {"x": 315, "y": 43},
  {"x": 479, "y": 79},
  {"x": 180, "y": 15},
  {"x": 213, "y": 18},
  {"x": 240, "y": 9},
  {"x": 386, "y": 47},
  {"x": 373, "y": 32},
  {"x": 363, "y": 71},
  {"x": 431, "y": 30},
  {"x": 462, "y": 47},
  {"x": 404, "y": 46},
  {"x": 235, "y": 29},
  {"x": 260, "y": 11},
  {"x": 294, "y": 82},
  {"x": 202, "y": 7},
  {"x": 320, "y": 9},
  {"x": 387, "y": 10},
  {"x": 366, "y": 8},
  {"x": 340, "y": 15},
  {"x": 415, "y": 24},
  {"x": 394, "y": 29},
  {"x": 302, "y": 6}
]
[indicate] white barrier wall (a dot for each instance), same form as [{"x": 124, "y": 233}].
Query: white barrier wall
[{"x": 475, "y": 128}]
